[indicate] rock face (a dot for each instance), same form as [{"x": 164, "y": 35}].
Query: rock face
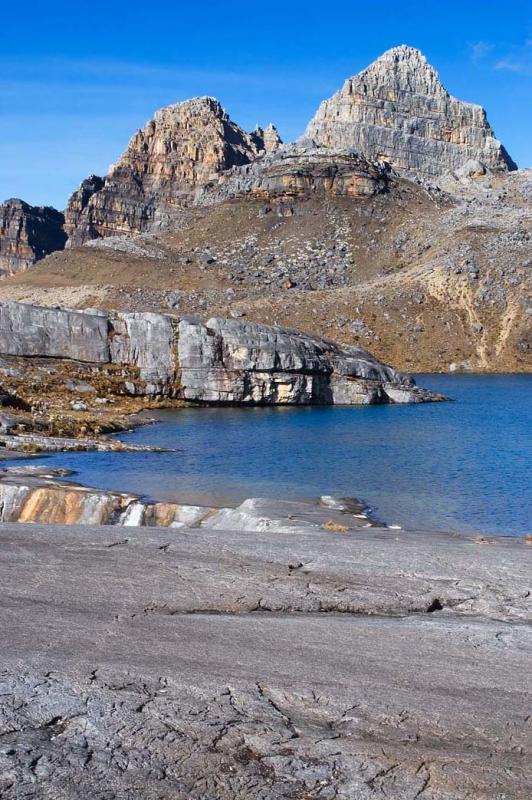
[
  {"x": 36, "y": 331},
  {"x": 27, "y": 234},
  {"x": 222, "y": 361},
  {"x": 397, "y": 110},
  {"x": 241, "y": 362},
  {"x": 183, "y": 147}
]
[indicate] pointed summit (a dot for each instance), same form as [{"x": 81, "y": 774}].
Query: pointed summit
[
  {"x": 406, "y": 70},
  {"x": 398, "y": 110},
  {"x": 183, "y": 147}
]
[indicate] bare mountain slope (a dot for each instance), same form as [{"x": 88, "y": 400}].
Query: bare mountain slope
[{"x": 427, "y": 281}]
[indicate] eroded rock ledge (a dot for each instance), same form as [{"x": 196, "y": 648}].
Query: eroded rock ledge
[
  {"x": 37, "y": 494},
  {"x": 221, "y": 361}
]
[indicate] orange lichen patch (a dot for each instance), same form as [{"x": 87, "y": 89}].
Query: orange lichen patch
[
  {"x": 162, "y": 514},
  {"x": 67, "y": 506},
  {"x": 331, "y": 525},
  {"x": 52, "y": 505}
]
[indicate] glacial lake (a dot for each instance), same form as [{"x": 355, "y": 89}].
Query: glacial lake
[{"x": 462, "y": 466}]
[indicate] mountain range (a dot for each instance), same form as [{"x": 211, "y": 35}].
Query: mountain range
[{"x": 398, "y": 222}]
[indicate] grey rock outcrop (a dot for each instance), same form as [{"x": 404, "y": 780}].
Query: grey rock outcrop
[
  {"x": 147, "y": 341},
  {"x": 27, "y": 234},
  {"x": 35, "y": 331},
  {"x": 397, "y": 110},
  {"x": 242, "y": 362},
  {"x": 222, "y": 361},
  {"x": 300, "y": 169}
]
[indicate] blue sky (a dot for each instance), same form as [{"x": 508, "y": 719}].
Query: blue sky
[{"x": 77, "y": 79}]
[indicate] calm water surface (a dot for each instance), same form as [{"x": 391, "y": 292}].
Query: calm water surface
[{"x": 465, "y": 465}]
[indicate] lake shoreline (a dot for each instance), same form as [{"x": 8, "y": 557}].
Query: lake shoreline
[{"x": 459, "y": 466}]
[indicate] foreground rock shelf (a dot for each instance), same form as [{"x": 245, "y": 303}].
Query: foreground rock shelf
[{"x": 228, "y": 664}]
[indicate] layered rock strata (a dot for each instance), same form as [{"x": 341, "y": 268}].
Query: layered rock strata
[
  {"x": 397, "y": 110},
  {"x": 221, "y": 361},
  {"x": 184, "y": 146},
  {"x": 27, "y": 234},
  {"x": 298, "y": 170}
]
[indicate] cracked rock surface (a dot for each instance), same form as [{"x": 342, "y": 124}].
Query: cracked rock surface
[{"x": 309, "y": 663}]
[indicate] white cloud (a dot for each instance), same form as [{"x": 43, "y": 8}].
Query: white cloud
[
  {"x": 479, "y": 50},
  {"x": 518, "y": 59}
]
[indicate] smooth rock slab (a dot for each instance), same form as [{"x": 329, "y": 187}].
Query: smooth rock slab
[
  {"x": 27, "y": 330},
  {"x": 111, "y": 687}
]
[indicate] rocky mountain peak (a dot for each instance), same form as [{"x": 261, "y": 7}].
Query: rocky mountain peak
[
  {"x": 183, "y": 147},
  {"x": 187, "y": 142},
  {"x": 268, "y": 138},
  {"x": 398, "y": 110},
  {"x": 403, "y": 69}
]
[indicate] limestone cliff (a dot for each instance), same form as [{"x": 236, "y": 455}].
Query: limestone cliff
[
  {"x": 398, "y": 110},
  {"x": 184, "y": 146},
  {"x": 27, "y": 234},
  {"x": 221, "y": 361}
]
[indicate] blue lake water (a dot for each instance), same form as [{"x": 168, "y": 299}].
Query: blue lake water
[{"x": 463, "y": 466}]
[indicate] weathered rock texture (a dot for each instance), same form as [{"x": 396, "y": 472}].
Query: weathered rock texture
[
  {"x": 27, "y": 234},
  {"x": 397, "y": 110},
  {"x": 222, "y": 361},
  {"x": 183, "y": 147},
  {"x": 221, "y": 664}
]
